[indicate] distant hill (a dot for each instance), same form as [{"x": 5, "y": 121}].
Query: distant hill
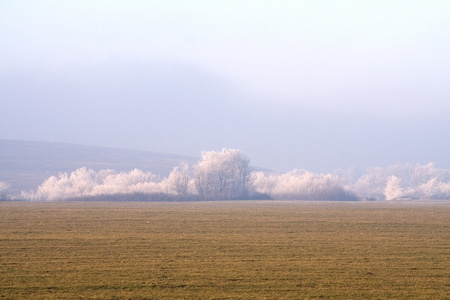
[{"x": 26, "y": 164}]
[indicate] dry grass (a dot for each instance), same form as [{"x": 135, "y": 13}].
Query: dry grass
[{"x": 224, "y": 250}]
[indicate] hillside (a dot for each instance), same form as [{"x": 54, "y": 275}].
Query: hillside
[{"x": 26, "y": 164}]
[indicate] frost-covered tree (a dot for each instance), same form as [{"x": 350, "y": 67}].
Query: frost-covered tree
[
  {"x": 84, "y": 182},
  {"x": 393, "y": 189},
  {"x": 134, "y": 181},
  {"x": 179, "y": 180},
  {"x": 4, "y": 187},
  {"x": 406, "y": 180},
  {"x": 371, "y": 184},
  {"x": 223, "y": 175},
  {"x": 302, "y": 185},
  {"x": 76, "y": 184},
  {"x": 264, "y": 184}
]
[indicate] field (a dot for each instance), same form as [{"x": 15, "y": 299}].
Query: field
[{"x": 224, "y": 250}]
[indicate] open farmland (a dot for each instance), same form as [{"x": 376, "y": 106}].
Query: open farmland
[{"x": 224, "y": 250}]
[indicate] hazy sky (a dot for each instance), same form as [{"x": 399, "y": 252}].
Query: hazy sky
[{"x": 317, "y": 85}]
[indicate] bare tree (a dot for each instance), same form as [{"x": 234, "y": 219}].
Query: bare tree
[
  {"x": 179, "y": 180},
  {"x": 223, "y": 175}
]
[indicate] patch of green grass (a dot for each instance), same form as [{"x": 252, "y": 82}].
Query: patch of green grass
[{"x": 224, "y": 250}]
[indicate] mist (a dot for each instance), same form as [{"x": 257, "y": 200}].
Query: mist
[
  {"x": 178, "y": 108},
  {"x": 296, "y": 85}
]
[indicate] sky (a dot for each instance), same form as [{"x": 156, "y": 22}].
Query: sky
[{"x": 315, "y": 85}]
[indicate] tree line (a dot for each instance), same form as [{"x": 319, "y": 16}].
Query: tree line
[{"x": 227, "y": 175}]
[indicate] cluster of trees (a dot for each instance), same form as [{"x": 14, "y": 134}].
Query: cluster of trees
[
  {"x": 88, "y": 183},
  {"x": 304, "y": 185},
  {"x": 226, "y": 175},
  {"x": 4, "y": 191},
  {"x": 223, "y": 175},
  {"x": 405, "y": 181}
]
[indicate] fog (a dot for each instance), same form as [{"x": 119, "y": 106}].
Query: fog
[
  {"x": 173, "y": 108},
  {"x": 295, "y": 84}
]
